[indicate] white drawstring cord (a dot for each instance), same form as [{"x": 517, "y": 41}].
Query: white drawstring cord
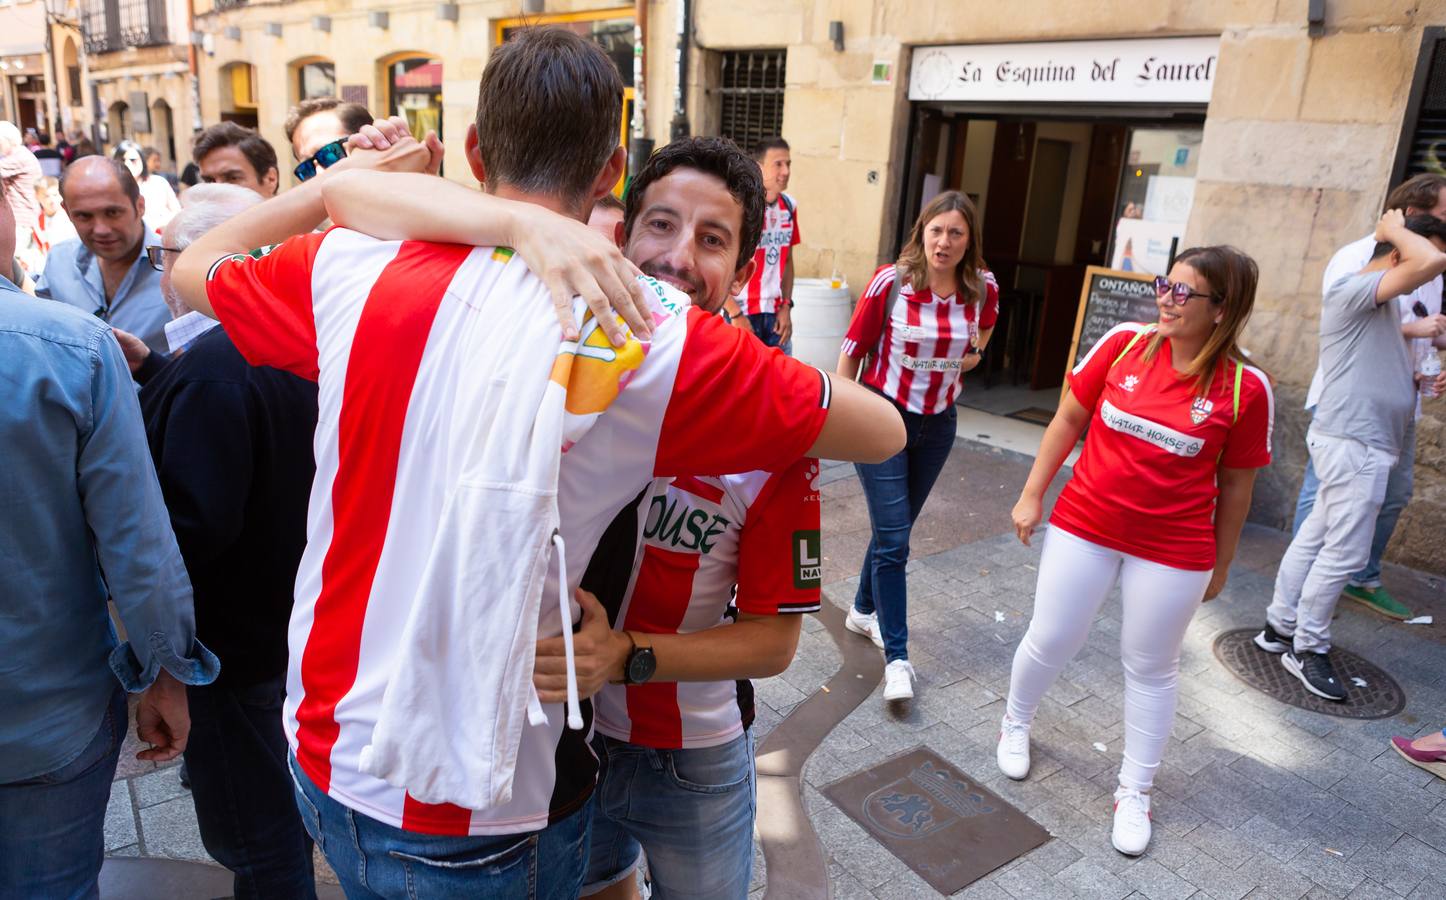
[{"x": 574, "y": 711}]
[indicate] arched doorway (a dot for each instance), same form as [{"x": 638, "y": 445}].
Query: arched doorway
[
  {"x": 163, "y": 133},
  {"x": 238, "y": 94},
  {"x": 414, "y": 90},
  {"x": 315, "y": 77},
  {"x": 117, "y": 120}
]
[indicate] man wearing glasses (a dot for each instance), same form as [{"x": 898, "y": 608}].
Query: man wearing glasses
[
  {"x": 106, "y": 272},
  {"x": 320, "y": 123}
]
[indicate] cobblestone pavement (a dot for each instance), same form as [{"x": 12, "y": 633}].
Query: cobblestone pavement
[{"x": 1254, "y": 798}]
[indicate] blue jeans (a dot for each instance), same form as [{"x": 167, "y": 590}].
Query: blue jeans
[
  {"x": 52, "y": 828},
  {"x": 376, "y": 861},
  {"x": 245, "y": 802},
  {"x": 1399, "y": 487},
  {"x": 691, "y": 810},
  {"x": 895, "y": 491},
  {"x": 763, "y": 327}
]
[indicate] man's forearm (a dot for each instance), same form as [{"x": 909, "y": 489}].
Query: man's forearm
[
  {"x": 418, "y": 208},
  {"x": 752, "y": 647},
  {"x": 297, "y": 211}
]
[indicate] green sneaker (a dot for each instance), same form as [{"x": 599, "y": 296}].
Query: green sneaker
[{"x": 1379, "y": 600}]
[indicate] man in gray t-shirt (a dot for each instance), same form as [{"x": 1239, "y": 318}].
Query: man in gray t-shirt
[
  {"x": 1366, "y": 403},
  {"x": 1368, "y": 380}
]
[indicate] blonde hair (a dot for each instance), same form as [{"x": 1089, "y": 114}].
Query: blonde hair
[{"x": 913, "y": 264}]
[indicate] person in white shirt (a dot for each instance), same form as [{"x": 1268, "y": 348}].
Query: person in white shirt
[{"x": 1424, "y": 327}]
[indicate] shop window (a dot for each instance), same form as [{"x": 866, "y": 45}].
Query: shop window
[
  {"x": 415, "y": 92},
  {"x": 750, "y": 91},
  {"x": 1155, "y": 195},
  {"x": 238, "y": 94},
  {"x": 315, "y": 79}
]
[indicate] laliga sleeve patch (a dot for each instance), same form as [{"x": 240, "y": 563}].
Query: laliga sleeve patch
[{"x": 807, "y": 559}]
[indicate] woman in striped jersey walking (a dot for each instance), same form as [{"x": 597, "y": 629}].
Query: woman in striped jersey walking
[{"x": 922, "y": 323}]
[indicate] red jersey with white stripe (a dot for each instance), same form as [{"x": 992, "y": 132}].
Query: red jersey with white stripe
[
  {"x": 388, "y": 330},
  {"x": 919, "y": 352},
  {"x": 1145, "y": 483},
  {"x": 775, "y": 245},
  {"x": 700, "y": 537}
]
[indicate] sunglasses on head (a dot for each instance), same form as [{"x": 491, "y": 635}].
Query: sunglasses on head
[
  {"x": 1180, "y": 292},
  {"x": 325, "y": 158},
  {"x": 156, "y": 256}
]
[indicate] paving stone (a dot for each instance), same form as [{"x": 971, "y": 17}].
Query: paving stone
[
  {"x": 170, "y": 830},
  {"x": 1215, "y": 880},
  {"x": 1156, "y": 882},
  {"x": 127, "y": 850},
  {"x": 1279, "y": 842},
  {"x": 1089, "y": 879},
  {"x": 120, "y": 818},
  {"x": 1053, "y": 857},
  {"x": 1028, "y": 882},
  {"x": 1332, "y": 873},
  {"x": 159, "y": 786}
]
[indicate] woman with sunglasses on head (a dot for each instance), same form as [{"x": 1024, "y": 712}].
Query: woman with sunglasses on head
[
  {"x": 925, "y": 320},
  {"x": 161, "y": 202},
  {"x": 1179, "y": 424}
]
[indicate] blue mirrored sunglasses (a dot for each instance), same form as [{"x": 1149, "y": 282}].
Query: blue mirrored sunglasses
[{"x": 325, "y": 158}]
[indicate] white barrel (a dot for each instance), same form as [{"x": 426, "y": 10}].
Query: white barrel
[{"x": 820, "y": 320}]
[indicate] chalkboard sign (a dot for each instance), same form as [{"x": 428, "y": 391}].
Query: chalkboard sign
[{"x": 1110, "y": 297}]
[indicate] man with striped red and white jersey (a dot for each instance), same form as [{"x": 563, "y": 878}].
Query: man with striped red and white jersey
[
  {"x": 666, "y": 568},
  {"x": 396, "y": 332},
  {"x": 764, "y": 304}
]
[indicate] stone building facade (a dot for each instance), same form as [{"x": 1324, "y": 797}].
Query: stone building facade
[
  {"x": 1307, "y": 125},
  {"x": 137, "y": 54}
]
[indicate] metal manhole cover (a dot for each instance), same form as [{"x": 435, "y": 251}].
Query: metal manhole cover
[{"x": 1379, "y": 698}]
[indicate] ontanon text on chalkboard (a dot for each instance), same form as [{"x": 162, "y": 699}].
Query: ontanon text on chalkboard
[{"x": 1109, "y": 298}]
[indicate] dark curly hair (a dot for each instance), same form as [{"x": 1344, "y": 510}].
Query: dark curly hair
[{"x": 714, "y": 156}]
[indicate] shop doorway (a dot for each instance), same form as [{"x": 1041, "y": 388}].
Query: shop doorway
[{"x": 1057, "y": 192}]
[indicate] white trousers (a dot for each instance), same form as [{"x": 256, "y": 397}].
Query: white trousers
[
  {"x": 1333, "y": 542},
  {"x": 1074, "y": 578}
]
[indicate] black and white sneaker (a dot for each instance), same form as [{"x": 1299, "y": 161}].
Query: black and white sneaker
[
  {"x": 1272, "y": 641},
  {"x": 1315, "y": 672}
]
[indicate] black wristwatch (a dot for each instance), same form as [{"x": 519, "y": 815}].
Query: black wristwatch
[{"x": 640, "y": 664}]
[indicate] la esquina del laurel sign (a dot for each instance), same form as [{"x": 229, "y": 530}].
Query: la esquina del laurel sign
[{"x": 1145, "y": 70}]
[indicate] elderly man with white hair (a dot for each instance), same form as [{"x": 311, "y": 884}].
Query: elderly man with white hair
[{"x": 232, "y": 446}]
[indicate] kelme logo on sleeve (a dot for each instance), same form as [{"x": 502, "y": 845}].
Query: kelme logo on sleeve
[{"x": 806, "y": 559}]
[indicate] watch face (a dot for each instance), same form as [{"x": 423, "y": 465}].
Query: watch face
[{"x": 641, "y": 665}]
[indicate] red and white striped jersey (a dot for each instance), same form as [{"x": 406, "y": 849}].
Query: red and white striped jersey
[
  {"x": 389, "y": 330},
  {"x": 700, "y": 537},
  {"x": 780, "y": 235},
  {"x": 918, "y": 353}
]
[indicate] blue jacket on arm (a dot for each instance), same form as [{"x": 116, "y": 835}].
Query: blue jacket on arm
[{"x": 81, "y": 519}]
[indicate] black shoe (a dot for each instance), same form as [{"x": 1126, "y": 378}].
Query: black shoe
[
  {"x": 1272, "y": 641},
  {"x": 1315, "y": 672}
]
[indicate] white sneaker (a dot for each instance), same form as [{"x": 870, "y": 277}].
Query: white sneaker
[
  {"x": 899, "y": 680},
  {"x": 866, "y": 625},
  {"x": 1013, "y": 752},
  {"x": 1132, "y": 821}
]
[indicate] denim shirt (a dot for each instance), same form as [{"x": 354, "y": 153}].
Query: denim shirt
[
  {"x": 81, "y": 518},
  {"x": 72, "y": 275}
]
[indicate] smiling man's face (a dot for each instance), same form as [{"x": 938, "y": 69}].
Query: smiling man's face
[{"x": 687, "y": 234}]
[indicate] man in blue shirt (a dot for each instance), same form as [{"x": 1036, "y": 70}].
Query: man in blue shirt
[
  {"x": 81, "y": 519},
  {"x": 105, "y": 271}
]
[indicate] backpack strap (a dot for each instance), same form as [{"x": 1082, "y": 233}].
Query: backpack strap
[
  {"x": 1130, "y": 346},
  {"x": 788, "y": 203},
  {"x": 1239, "y": 375},
  {"x": 890, "y": 303}
]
